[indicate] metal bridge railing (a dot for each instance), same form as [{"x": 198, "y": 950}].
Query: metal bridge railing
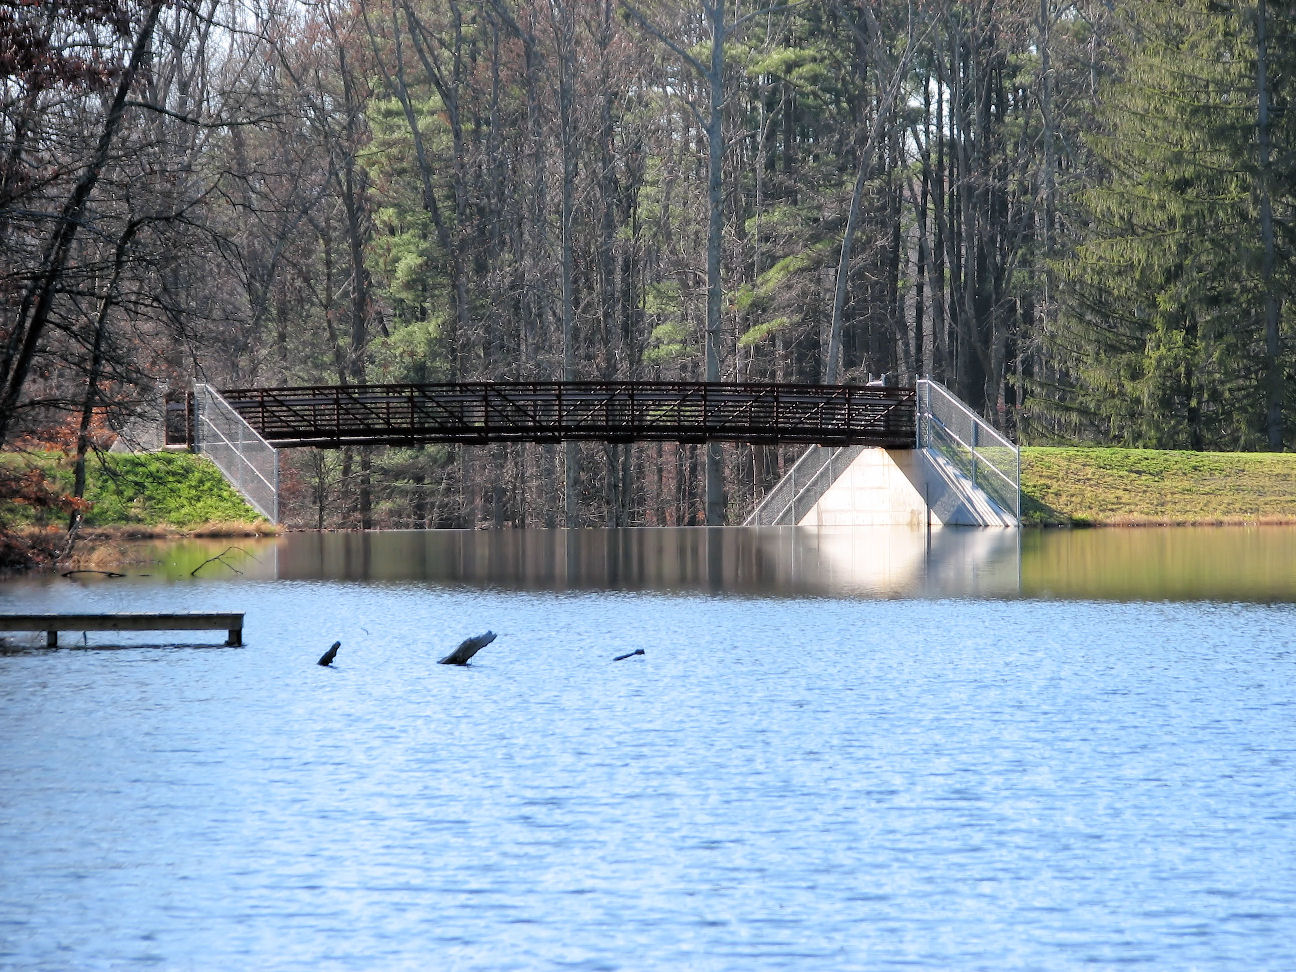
[
  {"x": 970, "y": 444},
  {"x": 248, "y": 461},
  {"x": 609, "y": 411}
]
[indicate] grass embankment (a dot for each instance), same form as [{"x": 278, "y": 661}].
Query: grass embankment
[
  {"x": 145, "y": 494},
  {"x": 1146, "y": 487}
]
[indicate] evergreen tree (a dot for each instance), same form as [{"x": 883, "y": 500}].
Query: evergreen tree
[{"x": 1168, "y": 293}]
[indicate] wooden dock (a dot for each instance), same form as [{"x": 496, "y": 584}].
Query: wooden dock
[{"x": 52, "y": 624}]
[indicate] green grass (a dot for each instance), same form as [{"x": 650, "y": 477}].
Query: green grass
[
  {"x": 161, "y": 489},
  {"x": 1114, "y": 487},
  {"x": 1064, "y": 486}
]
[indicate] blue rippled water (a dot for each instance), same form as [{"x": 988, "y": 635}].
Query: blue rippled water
[{"x": 788, "y": 782}]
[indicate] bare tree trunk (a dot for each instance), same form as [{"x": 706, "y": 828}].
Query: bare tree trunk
[
  {"x": 833, "y": 367},
  {"x": 565, "y": 37},
  {"x": 881, "y": 118},
  {"x": 38, "y": 300},
  {"x": 715, "y": 499},
  {"x": 106, "y": 303},
  {"x": 353, "y": 207}
]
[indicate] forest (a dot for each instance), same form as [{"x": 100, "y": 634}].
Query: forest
[{"x": 1079, "y": 216}]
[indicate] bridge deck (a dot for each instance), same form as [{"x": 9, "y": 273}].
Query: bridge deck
[{"x": 482, "y": 412}]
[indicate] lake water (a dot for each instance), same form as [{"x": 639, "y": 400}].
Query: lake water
[{"x": 867, "y": 750}]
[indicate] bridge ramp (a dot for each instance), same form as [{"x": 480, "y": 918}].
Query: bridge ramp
[
  {"x": 963, "y": 473},
  {"x": 901, "y": 487},
  {"x": 248, "y": 462}
]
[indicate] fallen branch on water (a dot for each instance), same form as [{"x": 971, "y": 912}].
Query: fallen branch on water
[
  {"x": 467, "y": 649},
  {"x": 221, "y": 558}
]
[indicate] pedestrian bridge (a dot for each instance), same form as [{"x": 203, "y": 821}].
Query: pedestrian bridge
[
  {"x": 242, "y": 429},
  {"x": 610, "y": 411}
]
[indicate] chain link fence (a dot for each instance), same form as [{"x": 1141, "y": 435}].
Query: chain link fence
[
  {"x": 803, "y": 485},
  {"x": 248, "y": 461},
  {"x": 970, "y": 444}
]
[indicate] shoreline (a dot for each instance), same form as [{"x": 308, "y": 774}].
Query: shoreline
[
  {"x": 134, "y": 531},
  {"x": 1066, "y": 487},
  {"x": 1135, "y": 522},
  {"x": 106, "y": 548},
  {"x": 32, "y": 551}
]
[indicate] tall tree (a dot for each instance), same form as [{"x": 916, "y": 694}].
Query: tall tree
[
  {"x": 712, "y": 72},
  {"x": 28, "y": 326},
  {"x": 1175, "y": 295}
]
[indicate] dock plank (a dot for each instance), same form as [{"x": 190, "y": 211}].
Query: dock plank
[{"x": 52, "y": 624}]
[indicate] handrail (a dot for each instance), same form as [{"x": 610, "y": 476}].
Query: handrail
[
  {"x": 238, "y": 450},
  {"x": 615, "y": 411},
  {"x": 926, "y": 386},
  {"x": 951, "y": 416},
  {"x": 993, "y": 468},
  {"x": 787, "y": 485}
]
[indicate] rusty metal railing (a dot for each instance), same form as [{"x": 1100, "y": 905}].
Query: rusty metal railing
[{"x": 618, "y": 411}]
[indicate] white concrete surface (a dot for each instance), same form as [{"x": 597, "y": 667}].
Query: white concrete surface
[{"x": 903, "y": 487}]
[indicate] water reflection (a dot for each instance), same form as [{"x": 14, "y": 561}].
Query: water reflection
[
  {"x": 879, "y": 562},
  {"x": 1162, "y": 563},
  {"x": 1173, "y": 563},
  {"x": 855, "y": 782}
]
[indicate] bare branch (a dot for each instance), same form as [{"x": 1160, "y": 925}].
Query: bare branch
[
  {"x": 200, "y": 123},
  {"x": 647, "y": 25}
]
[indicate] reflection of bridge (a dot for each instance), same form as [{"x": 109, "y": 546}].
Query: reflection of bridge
[{"x": 610, "y": 411}]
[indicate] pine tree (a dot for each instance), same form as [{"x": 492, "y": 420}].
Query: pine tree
[{"x": 1168, "y": 289}]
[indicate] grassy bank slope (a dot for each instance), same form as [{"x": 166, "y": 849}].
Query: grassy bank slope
[
  {"x": 148, "y": 490},
  {"x": 1118, "y": 487}
]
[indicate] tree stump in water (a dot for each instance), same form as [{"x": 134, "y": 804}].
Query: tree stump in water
[{"x": 467, "y": 649}]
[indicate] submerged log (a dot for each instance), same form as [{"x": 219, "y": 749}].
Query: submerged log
[
  {"x": 328, "y": 656},
  {"x": 467, "y": 649}
]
